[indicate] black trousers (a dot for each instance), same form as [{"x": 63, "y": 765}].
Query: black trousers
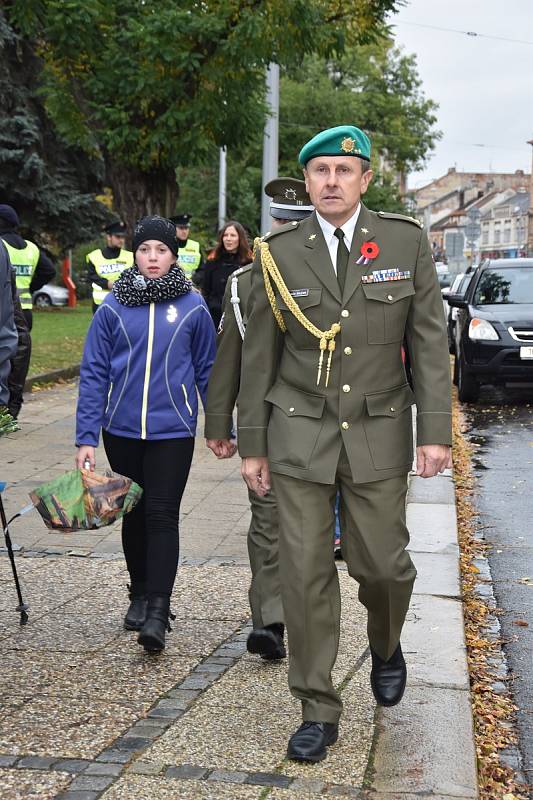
[{"x": 150, "y": 534}]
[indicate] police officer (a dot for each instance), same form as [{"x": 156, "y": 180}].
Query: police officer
[
  {"x": 189, "y": 256},
  {"x": 32, "y": 266},
  {"x": 324, "y": 395},
  {"x": 105, "y": 265},
  {"x": 289, "y": 201}
]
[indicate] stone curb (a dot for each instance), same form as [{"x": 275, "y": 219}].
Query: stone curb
[
  {"x": 52, "y": 377},
  {"x": 425, "y": 746}
]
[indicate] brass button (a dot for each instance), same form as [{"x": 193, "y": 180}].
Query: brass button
[
  {"x": 291, "y": 409},
  {"x": 345, "y": 426},
  {"x": 345, "y": 312},
  {"x": 392, "y": 408},
  {"x": 347, "y": 351},
  {"x": 390, "y": 297},
  {"x": 346, "y": 388}
]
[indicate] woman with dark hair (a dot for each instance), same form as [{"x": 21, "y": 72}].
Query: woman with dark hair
[
  {"x": 149, "y": 350},
  {"x": 231, "y": 252}
]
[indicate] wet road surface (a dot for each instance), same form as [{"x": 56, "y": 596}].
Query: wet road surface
[{"x": 502, "y": 429}]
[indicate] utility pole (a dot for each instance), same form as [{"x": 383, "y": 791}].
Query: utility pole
[
  {"x": 270, "y": 140},
  {"x": 222, "y": 188}
]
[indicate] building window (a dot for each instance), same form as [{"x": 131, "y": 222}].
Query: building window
[
  {"x": 485, "y": 237},
  {"x": 507, "y": 235},
  {"x": 497, "y": 236}
]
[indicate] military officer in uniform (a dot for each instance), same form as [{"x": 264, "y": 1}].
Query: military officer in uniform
[
  {"x": 289, "y": 201},
  {"x": 106, "y": 265},
  {"x": 190, "y": 255},
  {"x": 324, "y": 395}
]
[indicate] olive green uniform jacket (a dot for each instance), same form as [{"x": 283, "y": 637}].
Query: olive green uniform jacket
[
  {"x": 226, "y": 373},
  {"x": 302, "y": 426}
]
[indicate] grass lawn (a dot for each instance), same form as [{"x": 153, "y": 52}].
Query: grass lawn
[{"x": 57, "y": 337}]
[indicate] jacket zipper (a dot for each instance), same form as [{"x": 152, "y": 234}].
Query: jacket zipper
[
  {"x": 189, "y": 409},
  {"x": 149, "y": 348}
]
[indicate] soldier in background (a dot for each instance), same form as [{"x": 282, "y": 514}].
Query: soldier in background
[
  {"x": 105, "y": 265},
  {"x": 289, "y": 202}
]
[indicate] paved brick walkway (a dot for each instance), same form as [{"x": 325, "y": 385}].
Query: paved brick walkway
[{"x": 85, "y": 713}]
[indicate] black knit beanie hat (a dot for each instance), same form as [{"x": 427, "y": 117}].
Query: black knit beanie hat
[{"x": 158, "y": 228}]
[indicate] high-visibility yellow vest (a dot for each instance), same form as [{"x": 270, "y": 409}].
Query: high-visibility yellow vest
[
  {"x": 108, "y": 268},
  {"x": 24, "y": 262},
  {"x": 189, "y": 257}
]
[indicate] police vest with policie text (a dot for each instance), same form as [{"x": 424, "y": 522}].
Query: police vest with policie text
[
  {"x": 189, "y": 257},
  {"x": 108, "y": 268},
  {"x": 24, "y": 262}
]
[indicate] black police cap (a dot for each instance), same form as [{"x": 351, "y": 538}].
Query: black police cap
[{"x": 181, "y": 220}]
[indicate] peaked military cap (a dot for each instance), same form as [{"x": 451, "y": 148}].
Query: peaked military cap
[
  {"x": 289, "y": 199},
  {"x": 344, "y": 140},
  {"x": 118, "y": 228},
  {"x": 181, "y": 220}
]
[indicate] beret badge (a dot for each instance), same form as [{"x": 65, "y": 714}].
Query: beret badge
[{"x": 348, "y": 145}]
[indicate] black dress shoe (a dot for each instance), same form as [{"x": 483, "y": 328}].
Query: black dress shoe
[
  {"x": 388, "y": 678},
  {"x": 267, "y": 642},
  {"x": 310, "y": 741}
]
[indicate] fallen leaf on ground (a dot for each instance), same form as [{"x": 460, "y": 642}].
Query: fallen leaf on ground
[{"x": 521, "y": 622}]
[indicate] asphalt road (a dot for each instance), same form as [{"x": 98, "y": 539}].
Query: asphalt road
[{"x": 502, "y": 429}]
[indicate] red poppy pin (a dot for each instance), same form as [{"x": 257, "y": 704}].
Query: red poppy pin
[{"x": 369, "y": 251}]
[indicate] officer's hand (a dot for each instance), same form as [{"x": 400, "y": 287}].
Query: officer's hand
[
  {"x": 85, "y": 453},
  {"x": 222, "y": 448},
  {"x": 432, "y": 459},
  {"x": 256, "y": 473}
]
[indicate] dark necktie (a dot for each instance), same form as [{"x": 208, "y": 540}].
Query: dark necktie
[{"x": 342, "y": 258}]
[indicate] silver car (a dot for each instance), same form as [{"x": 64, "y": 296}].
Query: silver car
[{"x": 50, "y": 295}]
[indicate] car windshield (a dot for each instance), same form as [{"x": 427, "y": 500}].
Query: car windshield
[{"x": 504, "y": 286}]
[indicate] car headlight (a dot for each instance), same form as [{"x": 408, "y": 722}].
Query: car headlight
[{"x": 481, "y": 329}]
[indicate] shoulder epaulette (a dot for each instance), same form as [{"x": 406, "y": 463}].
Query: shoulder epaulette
[
  {"x": 290, "y": 226},
  {"x": 241, "y": 270},
  {"x": 404, "y": 217}
]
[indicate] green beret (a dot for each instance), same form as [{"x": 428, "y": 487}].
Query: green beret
[{"x": 344, "y": 140}]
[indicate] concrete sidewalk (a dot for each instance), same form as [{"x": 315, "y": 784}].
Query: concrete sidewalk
[{"x": 85, "y": 713}]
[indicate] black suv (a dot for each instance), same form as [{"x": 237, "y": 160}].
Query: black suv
[{"x": 494, "y": 331}]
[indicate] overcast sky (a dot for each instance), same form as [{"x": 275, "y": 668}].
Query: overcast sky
[{"x": 484, "y": 86}]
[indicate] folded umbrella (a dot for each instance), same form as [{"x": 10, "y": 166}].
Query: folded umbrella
[{"x": 83, "y": 500}]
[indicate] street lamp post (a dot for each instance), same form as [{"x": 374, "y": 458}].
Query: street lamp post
[
  {"x": 270, "y": 141},
  {"x": 222, "y": 188}
]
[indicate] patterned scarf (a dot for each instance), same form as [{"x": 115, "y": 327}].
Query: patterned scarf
[{"x": 133, "y": 289}]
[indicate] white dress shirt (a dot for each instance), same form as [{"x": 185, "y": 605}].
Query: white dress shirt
[{"x": 329, "y": 234}]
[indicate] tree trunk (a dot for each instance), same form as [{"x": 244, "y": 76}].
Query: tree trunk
[{"x": 138, "y": 194}]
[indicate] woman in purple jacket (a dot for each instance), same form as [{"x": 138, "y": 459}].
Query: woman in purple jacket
[{"x": 149, "y": 348}]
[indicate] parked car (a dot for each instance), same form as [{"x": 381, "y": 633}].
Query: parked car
[
  {"x": 50, "y": 295},
  {"x": 459, "y": 286},
  {"x": 494, "y": 328}
]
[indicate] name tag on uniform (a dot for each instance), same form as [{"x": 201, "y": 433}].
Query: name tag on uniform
[
  {"x": 299, "y": 292},
  {"x": 380, "y": 275}
]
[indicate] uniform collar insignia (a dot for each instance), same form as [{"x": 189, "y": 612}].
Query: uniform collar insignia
[
  {"x": 364, "y": 230},
  {"x": 313, "y": 236}
]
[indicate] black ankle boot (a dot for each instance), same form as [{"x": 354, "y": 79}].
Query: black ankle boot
[
  {"x": 136, "y": 613},
  {"x": 158, "y": 614}
]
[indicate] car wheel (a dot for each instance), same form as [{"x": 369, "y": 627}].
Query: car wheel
[
  {"x": 42, "y": 301},
  {"x": 467, "y": 386}
]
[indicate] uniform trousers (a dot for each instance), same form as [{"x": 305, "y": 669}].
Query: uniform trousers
[
  {"x": 373, "y": 546},
  {"x": 150, "y": 535},
  {"x": 263, "y": 552}
]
